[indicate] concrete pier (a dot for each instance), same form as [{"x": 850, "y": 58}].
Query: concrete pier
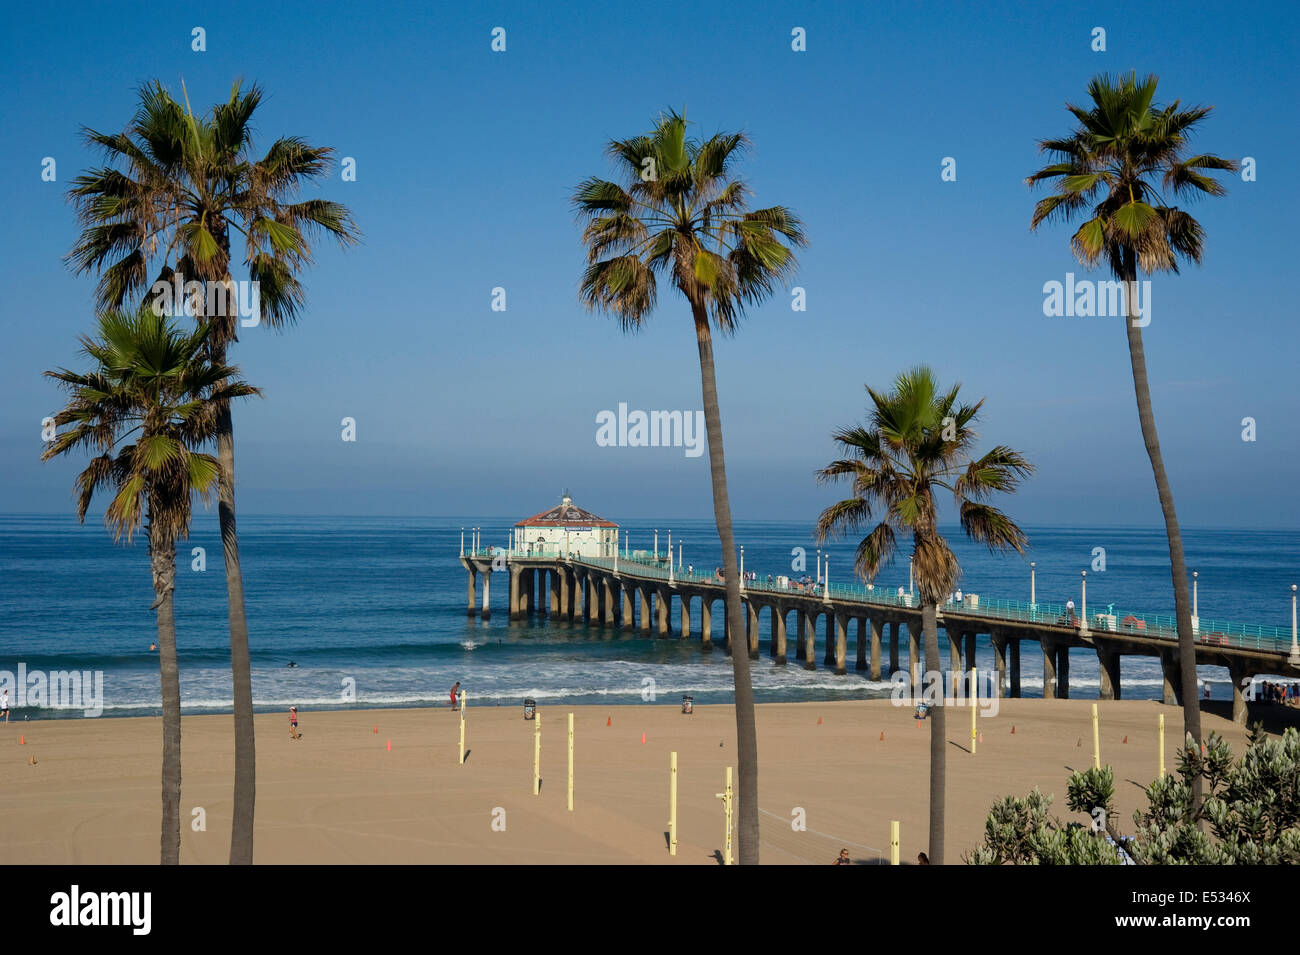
[{"x": 589, "y": 590}]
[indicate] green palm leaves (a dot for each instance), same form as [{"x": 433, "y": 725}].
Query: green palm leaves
[
  {"x": 1116, "y": 168},
  {"x": 919, "y": 439},
  {"x": 178, "y": 184},
  {"x": 680, "y": 212},
  {"x": 146, "y": 407}
]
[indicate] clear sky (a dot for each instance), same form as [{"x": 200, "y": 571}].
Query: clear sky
[{"x": 465, "y": 161}]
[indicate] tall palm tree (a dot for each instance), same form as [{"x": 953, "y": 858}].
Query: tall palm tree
[
  {"x": 1110, "y": 171},
  {"x": 175, "y": 188},
  {"x": 917, "y": 441},
  {"x": 148, "y": 404},
  {"x": 680, "y": 212}
]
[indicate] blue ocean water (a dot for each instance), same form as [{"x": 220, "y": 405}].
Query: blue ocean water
[{"x": 379, "y": 604}]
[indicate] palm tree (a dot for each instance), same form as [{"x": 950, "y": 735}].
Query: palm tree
[
  {"x": 681, "y": 212},
  {"x": 1112, "y": 169},
  {"x": 156, "y": 387},
  {"x": 176, "y": 187},
  {"x": 917, "y": 441}
]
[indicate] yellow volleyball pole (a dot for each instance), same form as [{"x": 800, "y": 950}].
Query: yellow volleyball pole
[
  {"x": 974, "y": 710},
  {"x": 672, "y": 804},
  {"x": 893, "y": 842},
  {"x": 462, "y": 727},
  {"x": 537, "y": 754},
  {"x": 1162, "y": 746},
  {"x": 1096, "y": 740},
  {"x": 725, "y": 796},
  {"x": 570, "y": 762}
]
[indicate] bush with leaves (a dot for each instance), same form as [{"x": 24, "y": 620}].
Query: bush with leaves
[{"x": 1250, "y": 816}]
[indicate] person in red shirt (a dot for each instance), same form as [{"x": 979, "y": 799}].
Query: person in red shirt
[{"x": 293, "y": 723}]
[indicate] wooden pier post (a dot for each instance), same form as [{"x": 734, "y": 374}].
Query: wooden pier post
[
  {"x": 862, "y": 663},
  {"x": 841, "y": 639},
  {"x": 1063, "y": 670},
  {"x": 1108, "y": 666},
  {"x": 514, "y": 593},
  {"x": 893, "y": 646},
  {"x": 473, "y": 578},
  {"x": 1172, "y": 674},
  {"x": 1239, "y": 675},
  {"x": 999, "y": 642},
  {"x": 706, "y": 622},
  {"x": 779, "y": 650},
  {"x": 751, "y": 628},
  {"x": 1049, "y": 668},
  {"x": 643, "y": 595},
  {"x": 875, "y": 623},
  {"x": 800, "y": 638},
  {"x": 486, "y": 614},
  {"x": 685, "y": 599},
  {"x": 809, "y": 640},
  {"x": 914, "y": 659},
  {"x": 1015, "y": 667}
]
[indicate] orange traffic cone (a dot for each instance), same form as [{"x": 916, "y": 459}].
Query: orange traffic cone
[
  {"x": 22, "y": 740},
  {"x": 819, "y": 721},
  {"x": 390, "y": 745},
  {"x": 376, "y": 729},
  {"x": 1126, "y": 739},
  {"x": 882, "y": 735},
  {"x": 643, "y": 737},
  {"x": 918, "y": 724},
  {"x": 609, "y": 721},
  {"x": 1013, "y": 729},
  {"x": 981, "y": 737}
]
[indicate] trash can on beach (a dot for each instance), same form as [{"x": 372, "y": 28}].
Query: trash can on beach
[
  {"x": 688, "y": 704},
  {"x": 530, "y": 708}
]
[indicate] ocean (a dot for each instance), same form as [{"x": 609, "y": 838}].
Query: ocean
[{"x": 372, "y": 613}]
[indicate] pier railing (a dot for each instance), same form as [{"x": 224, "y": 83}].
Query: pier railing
[{"x": 1119, "y": 622}]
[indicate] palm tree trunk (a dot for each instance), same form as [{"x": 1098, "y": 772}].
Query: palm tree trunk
[
  {"x": 746, "y": 730},
  {"x": 938, "y": 735},
  {"x": 1177, "y": 563},
  {"x": 241, "y": 827},
  {"x": 162, "y": 560}
]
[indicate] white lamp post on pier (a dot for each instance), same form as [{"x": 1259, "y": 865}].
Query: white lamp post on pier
[
  {"x": 1084, "y": 609},
  {"x": 1294, "y": 657}
]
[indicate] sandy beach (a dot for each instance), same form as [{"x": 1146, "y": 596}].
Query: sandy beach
[{"x": 340, "y": 795}]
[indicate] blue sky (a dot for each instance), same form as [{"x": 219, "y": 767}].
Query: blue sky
[{"x": 465, "y": 161}]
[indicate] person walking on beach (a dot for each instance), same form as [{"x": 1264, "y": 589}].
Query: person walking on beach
[
  {"x": 4, "y": 705},
  {"x": 455, "y": 694},
  {"x": 293, "y": 723},
  {"x": 922, "y": 859},
  {"x": 842, "y": 858}
]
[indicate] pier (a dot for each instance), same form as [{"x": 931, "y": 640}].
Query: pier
[{"x": 636, "y": 593}]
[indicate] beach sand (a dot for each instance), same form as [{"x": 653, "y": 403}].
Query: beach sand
[{"x": 339, "y": 795}]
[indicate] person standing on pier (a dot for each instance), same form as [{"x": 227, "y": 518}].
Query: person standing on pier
[{"x": 1069, "y": 612}]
